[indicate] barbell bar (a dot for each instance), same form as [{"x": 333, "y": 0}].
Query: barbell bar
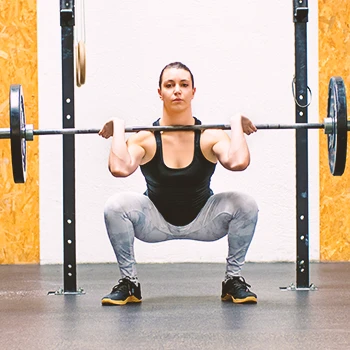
[
  {"x": 336, "y": 127},
  {"x": 29, "y": 132}
]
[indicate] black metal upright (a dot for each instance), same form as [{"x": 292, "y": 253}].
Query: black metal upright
[
  {"x": 67, "y": 11},
  {"x": 300, "y": 18}
]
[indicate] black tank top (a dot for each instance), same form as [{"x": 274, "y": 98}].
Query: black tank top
[{"x": 178, "y": 194}]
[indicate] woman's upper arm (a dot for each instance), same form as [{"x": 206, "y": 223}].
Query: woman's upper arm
[
  {"x": 221, "y": 145},
  {"x": 136, "y": 151}
]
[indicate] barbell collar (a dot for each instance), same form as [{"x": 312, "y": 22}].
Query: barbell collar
[
  {"x": 328, "y": 126},
  {"x": 29, "y": 132}
]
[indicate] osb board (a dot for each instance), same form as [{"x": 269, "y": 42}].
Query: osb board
[
  {"x": 334, "y": 59},
  {"x": 19, "y": 203}
]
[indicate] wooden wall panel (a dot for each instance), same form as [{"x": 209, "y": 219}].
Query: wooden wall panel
[
  {"x": 334, "y": 59},
  {"x": 19, "y": 203}
]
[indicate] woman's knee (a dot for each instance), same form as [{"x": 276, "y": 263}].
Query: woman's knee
[
  {"x": 121, "y": 202},
  {"x": 248, "y": 203}
]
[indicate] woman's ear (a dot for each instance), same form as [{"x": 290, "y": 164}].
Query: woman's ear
[{"x": 193, "y": 92}]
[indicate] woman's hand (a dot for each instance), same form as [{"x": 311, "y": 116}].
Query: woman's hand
[
  {"x": 107, "y": 129},
  {"x": 247, "y": 125}
]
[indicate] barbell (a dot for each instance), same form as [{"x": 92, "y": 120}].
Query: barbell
[{"x": 335, "y": 126}]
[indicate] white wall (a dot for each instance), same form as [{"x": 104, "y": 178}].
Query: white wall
[{"x": 242, "y": 56}]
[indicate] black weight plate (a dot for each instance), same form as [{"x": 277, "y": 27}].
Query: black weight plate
[
  {"x": 338, "y": 139},
  {"x": 17, "y": 134}
]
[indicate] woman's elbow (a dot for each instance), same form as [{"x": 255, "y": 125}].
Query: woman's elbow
[
  {"x": 243, "y": 166},
  {"x": 118, "y": 172},
  {"x": 238, "y": 165}
]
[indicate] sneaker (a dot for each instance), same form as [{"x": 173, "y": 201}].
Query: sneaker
[
  {"x": 122, "y": 293},
  {"x": 235, "y": 289}
]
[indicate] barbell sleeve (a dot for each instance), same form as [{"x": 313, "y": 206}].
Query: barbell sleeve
[{"x": 5, "y": 133}]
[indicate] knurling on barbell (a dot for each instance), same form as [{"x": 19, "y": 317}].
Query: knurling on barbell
[{"x": 336, "y": 127}]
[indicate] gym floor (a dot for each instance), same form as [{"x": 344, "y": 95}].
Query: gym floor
[{"x": 181, "y": 309}]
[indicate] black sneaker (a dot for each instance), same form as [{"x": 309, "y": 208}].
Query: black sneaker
[
  {"x": 122, "y": 293},
  {"x": 235, "y": 289}
]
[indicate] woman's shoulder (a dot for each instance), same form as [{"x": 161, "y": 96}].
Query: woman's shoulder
[
  {"x": 141, "y": 137},
  {"x": 214, "y": 135}
]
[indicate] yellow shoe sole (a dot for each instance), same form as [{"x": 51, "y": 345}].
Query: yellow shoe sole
[
  {"x": 131, "y": 299},
  {"x": 251, "y": 300}
]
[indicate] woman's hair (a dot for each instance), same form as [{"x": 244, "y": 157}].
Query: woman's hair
[{"x": 177, "y": 65}]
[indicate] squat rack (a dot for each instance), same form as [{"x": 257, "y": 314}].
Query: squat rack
[
  {"x": 300, "y": 19},
  {"x": 67, "y": 22}
]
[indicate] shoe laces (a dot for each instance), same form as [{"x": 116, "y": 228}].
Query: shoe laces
[
  {"x": 123, "y": 285},
  {"x": 239, "y": 283}
]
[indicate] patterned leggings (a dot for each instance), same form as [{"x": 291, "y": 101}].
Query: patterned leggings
[{"x": 129, "y": 215}]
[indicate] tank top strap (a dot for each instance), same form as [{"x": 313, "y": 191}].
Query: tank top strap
[
  {"x": 197, "y": 134},
  {"x": 157, "y": 134}
]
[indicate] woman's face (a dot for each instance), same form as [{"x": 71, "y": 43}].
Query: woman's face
[{"x": 176, "y": 89}]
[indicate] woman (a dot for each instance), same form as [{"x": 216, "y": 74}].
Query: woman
[{"x": 178, "y": 203}]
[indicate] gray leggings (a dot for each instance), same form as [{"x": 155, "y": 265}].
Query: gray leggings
[{"x": 129, "y": 215}]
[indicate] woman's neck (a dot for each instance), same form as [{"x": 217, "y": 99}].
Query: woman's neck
[{"x": 182, "y": 118}]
